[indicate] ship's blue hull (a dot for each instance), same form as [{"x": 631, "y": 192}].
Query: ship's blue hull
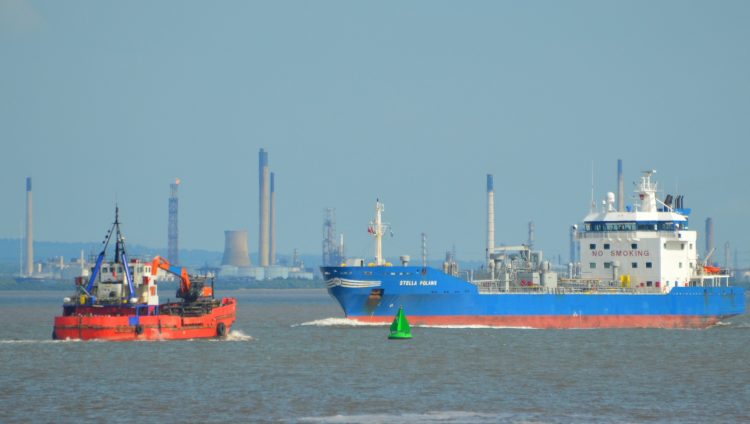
[{"x": 429, "y": 296}]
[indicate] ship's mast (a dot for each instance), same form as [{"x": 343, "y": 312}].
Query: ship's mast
[
  {"x": 647, "y": 192},
  {"x": 377, "y": 228}
]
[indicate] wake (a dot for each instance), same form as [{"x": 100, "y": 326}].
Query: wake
[{"x": 339, "y": 322}]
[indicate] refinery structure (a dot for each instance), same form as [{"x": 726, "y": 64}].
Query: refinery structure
[{"x": 236, "y": 263}]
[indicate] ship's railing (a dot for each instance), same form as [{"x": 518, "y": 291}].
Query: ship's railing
[{"x": 499, "y": 288}]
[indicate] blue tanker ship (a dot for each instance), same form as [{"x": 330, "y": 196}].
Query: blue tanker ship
[{"x": 638, "y": 268}]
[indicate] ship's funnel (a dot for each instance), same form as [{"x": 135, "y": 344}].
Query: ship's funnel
[{"x": 235, "y": 248}]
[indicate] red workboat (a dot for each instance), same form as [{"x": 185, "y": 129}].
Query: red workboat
[{"x": 120, "y": 301}]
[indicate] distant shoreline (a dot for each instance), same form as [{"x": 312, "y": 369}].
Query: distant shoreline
[{"x": 10, "y": 284}]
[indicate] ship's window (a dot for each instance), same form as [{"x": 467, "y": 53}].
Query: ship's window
[
  {"x": 691, "y": 264},
  {"x": 682, "y": 246},
  {"x": 634, "y": 265},
  {"x": 648, "y": 265},
  {"x": 634, "y": 246},
  {"x": 691, "y": 246},
  {"x": 105, "y": 270},
  {"x": 592, "y": 265},
  {"x": 607, "y": 265},
  {"x": 649, "y": 283},
  {"x": 606, "y": 246},
  {"x": 680, "y": 265},
  {"x": 130, "y": 268},
  {"x": 592, "y": 246}
]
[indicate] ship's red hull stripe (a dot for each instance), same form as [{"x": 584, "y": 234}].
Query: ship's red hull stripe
[
  {"x": 547, "y": 321},
  {"x": 154, "y": 327}
]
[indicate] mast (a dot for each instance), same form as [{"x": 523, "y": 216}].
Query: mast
[
  {"x": 377, "y": 228},
  {"x": 378, "y": 233}
]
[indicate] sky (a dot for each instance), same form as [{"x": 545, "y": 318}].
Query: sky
[{"x": 414, "y": 103}]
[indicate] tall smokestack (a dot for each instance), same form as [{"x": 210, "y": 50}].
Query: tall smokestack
[
  {"x": 532, "y": 230},
  {"x": 265, "y": 209},
  {"x": 29, "y": 230},
  {"x": 173, "y": 250},
  {"x": 620, "y": 188},
  {"x": 235, "y": 248},
  {"x": 709, "y": 235},
  {"x": 272, "y": 243},
  {"x": 573, "y": 250},
  {"x": 490, "y": 218}
]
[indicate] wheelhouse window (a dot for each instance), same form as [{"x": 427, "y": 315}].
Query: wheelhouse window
[
  {"x": 606, "y": 246},
  {"x": 607, "y": 265},
  {"x": 649, "y": 265},
  {"x": 610, "y": 226},
  {"x": 592, "y": 246},
  {"x": 634, "y": 265},
  {"x": 592, "y": 265},
  {"x": 634, "y": 246}
]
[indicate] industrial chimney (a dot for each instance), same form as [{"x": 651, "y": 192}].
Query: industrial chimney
[
  {"x": 272, "y": 242},
  {"x": 490, "y": 218},
  {"x": 709, "y": 236},
  {"x": 572, "y": 247},
  {"x": 173, "y": 254},
  {"x": 235, "y": 248},
  {"x": 264, "y": 193},
  {"x": 29, "y": 230},
  {"x": 620, "y": 188}
]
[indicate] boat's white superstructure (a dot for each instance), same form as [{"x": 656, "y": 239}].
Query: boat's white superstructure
[{"x": 648, "y": 245}]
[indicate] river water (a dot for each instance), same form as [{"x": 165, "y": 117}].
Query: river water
[{"x": 291, "y": 358}]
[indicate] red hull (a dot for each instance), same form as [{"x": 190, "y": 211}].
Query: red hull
[
  {"x": 86, "y": 325},
  {"x": 551, "y": 322}
]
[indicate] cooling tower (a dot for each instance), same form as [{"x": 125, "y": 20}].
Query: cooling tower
[
  {"x": 235, "y": 248},
  {"x": 264, "y": 194},
  {"x": 29, "y": 230},
  {"x": 490, "y": 217}
]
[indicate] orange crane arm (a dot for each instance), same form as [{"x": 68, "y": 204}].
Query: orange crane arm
[{"x": 161, "y": 263}]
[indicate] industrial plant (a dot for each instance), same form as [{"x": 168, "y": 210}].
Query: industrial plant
[{"x": 236, "y": 262}]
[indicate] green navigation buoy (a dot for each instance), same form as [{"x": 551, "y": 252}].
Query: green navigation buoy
[{"x": 400, "y": 327}]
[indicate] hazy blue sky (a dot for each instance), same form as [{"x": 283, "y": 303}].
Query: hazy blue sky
[{"x": 413, "y": 102}]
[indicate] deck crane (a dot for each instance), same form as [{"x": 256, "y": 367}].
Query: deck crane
[{"x": 188, "y": 291}]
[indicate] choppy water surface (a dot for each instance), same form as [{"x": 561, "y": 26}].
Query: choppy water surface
[{"x": 290, "y": 358}]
